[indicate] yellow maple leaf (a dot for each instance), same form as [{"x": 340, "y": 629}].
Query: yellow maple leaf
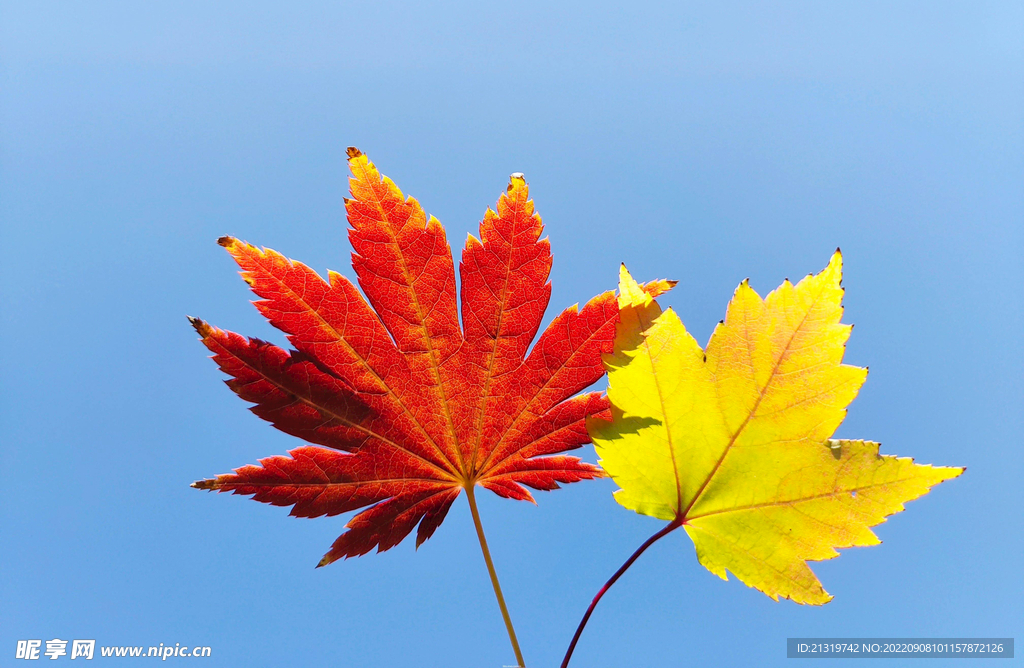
[{"x": 733, "y": 442}]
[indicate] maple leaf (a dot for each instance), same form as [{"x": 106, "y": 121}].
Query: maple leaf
[
  {"x": 733, "y": 442},
  {"x": 405, "y": 408}
]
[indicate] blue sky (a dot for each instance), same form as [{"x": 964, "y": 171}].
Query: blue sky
[{"x": 703, "y": 142}]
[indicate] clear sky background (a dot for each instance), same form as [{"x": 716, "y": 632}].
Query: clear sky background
[{"x": 705, "y": 142}]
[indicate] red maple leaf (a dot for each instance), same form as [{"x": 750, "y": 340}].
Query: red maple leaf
[{"x": 405, "y": 408}]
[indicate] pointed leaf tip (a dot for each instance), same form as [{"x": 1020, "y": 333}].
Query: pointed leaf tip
[
  {"x": 836, "y": 261},
  {"x": 325, "y": 560},
  {"x": 200, "y": 326},
  {"x": 630, "y": 292},
  {"x": 516, "y": 181},
  {"x": 658, "y": 287},
  {"x": 353, "y": 152}
]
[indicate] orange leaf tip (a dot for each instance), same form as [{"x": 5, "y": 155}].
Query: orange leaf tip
[
  {"x": 515, "y": 181},
  {"x": 200, "y": 326},
  {"x": 659, "y": 286}
]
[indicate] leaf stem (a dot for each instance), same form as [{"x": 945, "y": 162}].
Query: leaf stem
[
  {"x": 672, "y": 526},
  {"x": 494, "y": 576}
]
